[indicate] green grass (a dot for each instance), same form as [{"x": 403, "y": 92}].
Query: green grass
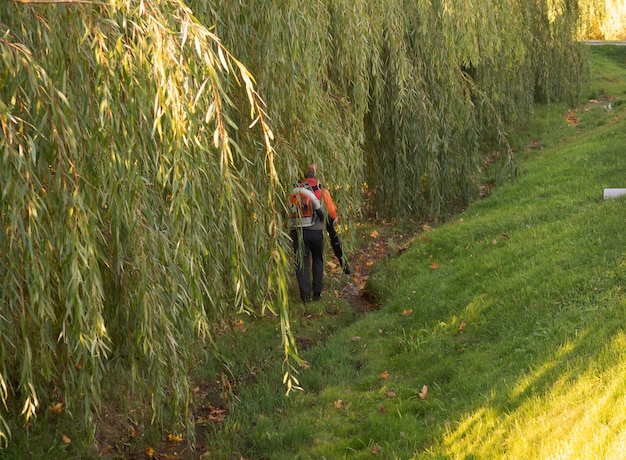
[
  {"x": 511, "y": 314},
  {"x": 516, "y": 325},
  {"x": 608, "y": 67}
]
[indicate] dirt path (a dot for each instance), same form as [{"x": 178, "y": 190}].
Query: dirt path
[{"x": 378, "y": 248}]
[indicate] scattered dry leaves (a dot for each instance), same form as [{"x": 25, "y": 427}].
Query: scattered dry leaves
[{"x": 571, "y": 117}]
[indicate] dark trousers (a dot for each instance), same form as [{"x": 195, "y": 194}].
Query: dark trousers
[{"x": 309, "y": 252}]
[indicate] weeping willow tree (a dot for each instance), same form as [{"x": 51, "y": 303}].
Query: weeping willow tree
[
  {"x": 126, "y": 212},
  {"x": 141, "y": 182},
  {"x": 402, "y": 97}
]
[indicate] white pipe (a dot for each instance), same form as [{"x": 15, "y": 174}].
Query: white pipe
[{"x": 613, "y": 192}]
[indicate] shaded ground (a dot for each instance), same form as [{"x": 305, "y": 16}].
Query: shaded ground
[{"x": 211, "y": 407}]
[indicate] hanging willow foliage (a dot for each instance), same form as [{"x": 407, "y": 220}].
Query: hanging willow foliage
[
  {"x": 402, "y": 98},
  {"x": 126, "y": 215},
  {"x": 141, "y": 183}
]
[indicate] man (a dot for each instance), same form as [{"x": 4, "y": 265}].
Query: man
[
  {"x": 308, "y": 237},
  {"x": 323, "y": 195}
]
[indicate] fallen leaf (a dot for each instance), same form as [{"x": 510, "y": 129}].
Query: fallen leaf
[
  {"x": 356, "y": 338},
  {"x": 424, "y": 392},
  {"x": 534, "y": 145},
  {"x": 172, "y": 438},
  {"x": 338, "y": 404},
  {"x": 374, "y": 234},
  {"x": 375, "y": 450},
  {"x": 426, "y": 228},
  {"x": 434, "y": 266},
  {"x": 150, "y": 452},
  {"x": 571, "y": 118},
  {"x": 391, "y": 394},
  {"x": 217, "y": 415},
  {"x": 407, "y": 312},
  {"x": 65, "y": 439},
  {"x": 56, "y": 408},
  {"x": 384, "y": 375},
  {"x": 461, "y": 326}
]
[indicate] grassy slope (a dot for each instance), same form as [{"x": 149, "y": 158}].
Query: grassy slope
[{"x": 511, "y": 315}]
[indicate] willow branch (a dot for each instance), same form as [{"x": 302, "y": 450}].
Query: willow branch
[{"x": 60, "y": 2}]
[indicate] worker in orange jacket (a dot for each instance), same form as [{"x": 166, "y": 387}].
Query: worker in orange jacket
[
  {"x": 323, "y": 195},
  {"x": 308, "y": 239}
]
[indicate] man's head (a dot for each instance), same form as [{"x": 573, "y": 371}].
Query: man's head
[{"x": 312, "y": 171}]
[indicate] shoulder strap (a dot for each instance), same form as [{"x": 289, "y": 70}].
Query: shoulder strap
[{"x": 313, "y": 184}]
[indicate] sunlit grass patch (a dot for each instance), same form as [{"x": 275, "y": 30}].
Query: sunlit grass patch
[{"x": 578, "y": 416}]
